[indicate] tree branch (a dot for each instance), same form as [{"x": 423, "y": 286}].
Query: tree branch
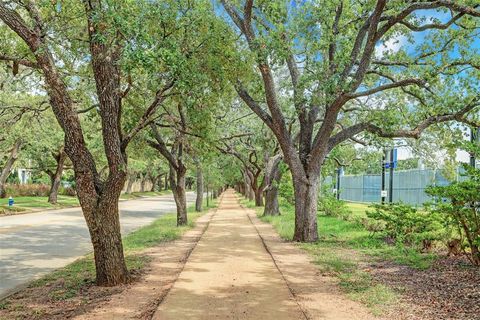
[
  {"x": 401, "y": 83},
  {"x": 162, "y": 147},
  {"x": 145, "y": 119},
  {"x": 253, "y": 105},
  {"x": 19, "y": 61},
  {"x": 441, "y": 26},
  {"x": 13, "y": 20},
  {"x": 415, "y": 133}
]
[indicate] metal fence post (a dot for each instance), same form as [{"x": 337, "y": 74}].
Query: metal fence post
[{"x": 384, "y": 163}]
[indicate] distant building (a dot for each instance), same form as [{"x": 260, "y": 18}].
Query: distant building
[{"x": 24, "y": 175}]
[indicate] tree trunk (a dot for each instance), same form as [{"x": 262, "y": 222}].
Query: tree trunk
[
  {"x": 8, "y": 168},
  {"x": 57, "y": 176},
  {"x": 306, "y": 196},
  {"x": 160, "y": 181},
  {"x": 99, "y": 199},
  {"x": 153, "y": 180},
  {"x": 166, "y": 182},
  {"x": 271, "y": 202},
  {"x": 256, "y": 190},
  {"x": 258, "y": 196},
  {"x": 177, "y": 182},
  {"x": 199, "y": 199},
  {"x": 130, "y": 181},
  {"x": 250, "y": 193},
  {"x": 107, "y": 241},
  {"x": 189, "y": 183},
  {"x": 143, "y": 180},
  {"x": 246, "y": 185},
  {"x": 273, "y": 175},
  {"x": 207, "y": 198}
]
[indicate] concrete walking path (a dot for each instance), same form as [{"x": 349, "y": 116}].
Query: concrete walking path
[
  {"x": 230, "y": 275},
  {"x": 230, "y": 266}
]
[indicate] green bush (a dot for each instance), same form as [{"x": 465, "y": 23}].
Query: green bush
[
  {"x": 330, "y": 206},
  {"x": 462, "y": 210},
  {"x": 36, "y": 190},
  {"x": 402, "y": 223},
  {"x": 28, "y": 190},
  {"x": 68, "y": 191},
  {"x": 285, "y": 189}
]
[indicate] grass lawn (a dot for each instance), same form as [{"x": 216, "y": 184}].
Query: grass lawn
[
  {"x": 345, "y": 249},
  {"x": 28, "y": 203},
  {"x": 72, "y": 281},
  {"x": 358, "y": 209},
  {"x": 136, "y": 195}
]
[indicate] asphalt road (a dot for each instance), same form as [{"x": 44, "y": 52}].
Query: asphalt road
[{"x": 34, "y": 244}]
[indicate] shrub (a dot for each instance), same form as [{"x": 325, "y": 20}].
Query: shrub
[
  {"x": 331, "y": 206},
  {"x": 405, "y": 224},
  {"x": 285, "y": 189},
  {"x": 67, "y": 191},
  {"x": 462, "y": 210},
  {"x": 28, "y": 190}
]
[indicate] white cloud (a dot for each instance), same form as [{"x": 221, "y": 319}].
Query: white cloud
[{"x": 392, "y": 45}]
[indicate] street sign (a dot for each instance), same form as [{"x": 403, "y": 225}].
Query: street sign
[
  {"x": 383, "y": 193},
  {"x": 392, "y": 164}
]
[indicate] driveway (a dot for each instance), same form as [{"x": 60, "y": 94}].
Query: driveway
[{"x": 34, "y": 244}]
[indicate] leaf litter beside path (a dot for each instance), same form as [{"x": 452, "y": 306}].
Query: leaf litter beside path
[{"x": 449, "y": 289}]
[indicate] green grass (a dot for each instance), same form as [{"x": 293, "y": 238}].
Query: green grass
[
  {"x": 67, "y": 282},
  {"x": 136, "y": 195},
  {"x": 9, "y": 210},
  {"x": 358, "y": 209},
  {"x": 161, "y": 230},
  {"x": 28, "y": 203},
  {"x": 245, "y": 202},
  {"x": 344, "y": 247}
]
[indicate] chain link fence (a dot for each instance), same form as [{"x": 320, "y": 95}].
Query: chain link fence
[{"x": 408, "y": 185}]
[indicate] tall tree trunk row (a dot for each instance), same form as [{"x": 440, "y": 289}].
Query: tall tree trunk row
[
  {"x": 177, "y": 182},
  {"x": 273, "y": 175},
  {"x": 199, "y": 197}
]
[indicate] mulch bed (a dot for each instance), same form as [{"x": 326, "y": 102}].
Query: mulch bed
[{"x": 450, "y": 289}]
